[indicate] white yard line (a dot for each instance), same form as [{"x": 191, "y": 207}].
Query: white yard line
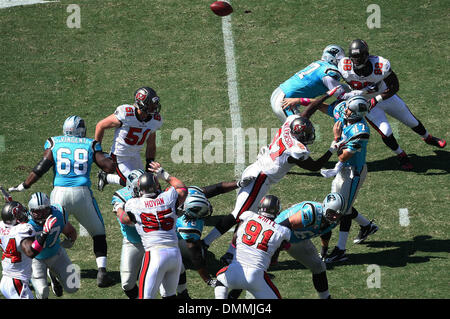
[
  {"x": 403, "y": 217},
  {"x": 13, "y": 3},
  {"x": 233, "y": 96}
]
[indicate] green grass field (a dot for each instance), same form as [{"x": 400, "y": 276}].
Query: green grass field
[{"x": 50, "y": 71}]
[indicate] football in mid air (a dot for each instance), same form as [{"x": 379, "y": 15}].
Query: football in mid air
[{"x": 221, "y": 8}]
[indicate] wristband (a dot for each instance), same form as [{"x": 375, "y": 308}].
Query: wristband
[
  {"x": 121, "y": 217},
  {"x": 304, "y": 101},
  {"x": 379, "y": 98},
  {"x": 36, "y": 246}
]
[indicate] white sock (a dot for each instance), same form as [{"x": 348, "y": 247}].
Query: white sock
[
  {"x": 425, "y": 135},
  {"x": 398, "y": 150},
  {"x": 101, "y": 261},
  {"x": 113, "y": 179},
  {"x": 324, "y": 294},
  {"x": 342, "y": 241},
  {"x": 221, "y": 292},
  {"x": 361, "y": 220}
]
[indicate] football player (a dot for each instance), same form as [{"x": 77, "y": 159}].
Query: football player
[
  {"x": 372, "y": 77},
  {"x": 351, "y": 135},
  {"x": 133, "y": 126},
  {"x": 20, "y": 244},
  {"x": 258, "y": 238},
  {"x": 190, "y": 224},
  {"x": 53, "y": 259},
  {"x": 71, "y": 155},
  {"x": 132, "y": 248},
  {"x": 154, "y": 216},
  {"x": 307, "y": 220},
  {"x": 308, "y": 83},
  {"x": 189, "y": 227},
  {"x": 288, "y": 148}
]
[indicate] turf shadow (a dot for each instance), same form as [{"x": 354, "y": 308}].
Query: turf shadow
[
  {"x": 422, "y": 164},
  {"x": 397, "y": 253}
]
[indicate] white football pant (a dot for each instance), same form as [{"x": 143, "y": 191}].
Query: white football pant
[
  {"x": 306, "y": 253},
  {"x": 79, "y": 202},
  {"x": 254, "y": 280},
  {"x": 61, "y": 266},
  {"x": 395, "y": 107},
  {"x": 130, "y": 263},
  {"x": 160, "y": 266},
  {"x": 348, "y": 182},
  {"x": 13, "y": 288}
]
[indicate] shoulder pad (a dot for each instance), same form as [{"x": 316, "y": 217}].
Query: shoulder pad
[
  {"x": 334, "y": 73},
  {"x": 49, "y": 143}
]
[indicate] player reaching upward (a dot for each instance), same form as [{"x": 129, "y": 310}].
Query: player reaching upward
[
  {"x": 154, "y": 216},
  {"x": 134, "y": 125},
  {"x": 274, "y": 161},
  {"x": 372, "y": 77}
]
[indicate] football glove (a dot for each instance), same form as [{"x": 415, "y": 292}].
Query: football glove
[
  {"x": 118, "y": 205},
  {"x": 18, "y": 188},
  {"x": 212, "y": 283},
  {"x": 49, "y": 223},
  {"x": 245, "y": 181},
  {"x": 332, "y": 172}
]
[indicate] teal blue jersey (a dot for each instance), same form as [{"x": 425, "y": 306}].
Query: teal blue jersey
[
  {"x": 311, "y": 221},
  {"x": 190, "y": 229},
  {"x": 51, "y": 245},
  {"x": 73, "y": 158},
  {"x": 354, "y": 137},
  {"x": 308, "y": 82},
  {"x": 129, "y": 232}
]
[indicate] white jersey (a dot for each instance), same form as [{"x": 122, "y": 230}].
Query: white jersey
[
  {"x": 130, "y": 137},
  {"x": 273, "y": 159},
  {"x": 155, "y": 218},
  {"x": 15, "y": 263},
  {"x": 381, "y": 68},
  {"x": 257, "y": 240}
]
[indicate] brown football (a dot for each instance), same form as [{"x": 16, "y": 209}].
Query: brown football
[{"x": 221, "y": 8}]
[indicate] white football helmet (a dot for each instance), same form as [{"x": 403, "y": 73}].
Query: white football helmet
[
  {"x": 39, "y": 207},
  {"x": 74, "y": 126},
  {"x": 333, "y": 207},
  {"x": 359, "y": 107},
  {"x": 333, "y": 54},
  {"x": 132, "y": 181},
  {"x": 197, "y": 206}
]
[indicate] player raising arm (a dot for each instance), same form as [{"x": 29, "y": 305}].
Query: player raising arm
[{"x": 134, "y": 125}]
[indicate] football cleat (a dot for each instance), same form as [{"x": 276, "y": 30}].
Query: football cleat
[
  {"x": 101, "y": 180},
  {"x": 336, "y": 255},
  {"x": 405, "y": 164},
  {"x": 438, "y": 142},
  {"x": 365, "y": 231},
  {"x": 55, "y": 284},
  {"x": 103, "y": 279}
]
